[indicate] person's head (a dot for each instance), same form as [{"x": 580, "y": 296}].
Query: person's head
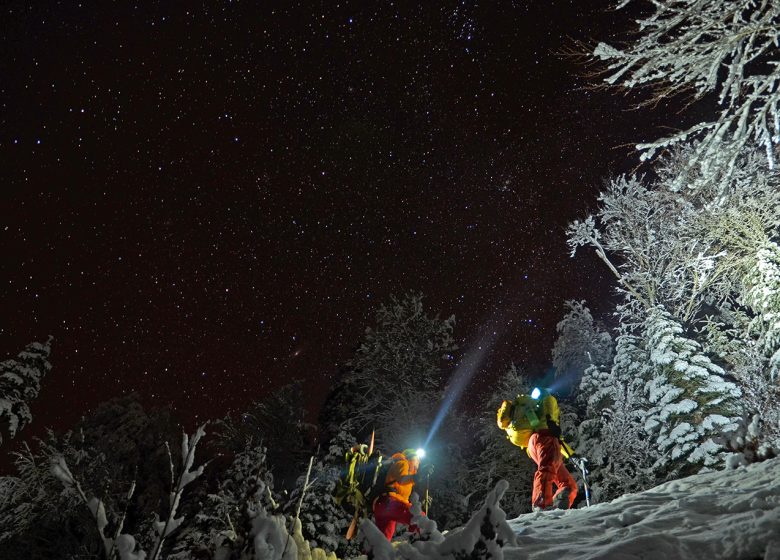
[{"x": 412, "y": 456}]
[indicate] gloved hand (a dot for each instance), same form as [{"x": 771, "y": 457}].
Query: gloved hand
[
  {"x": 425, "y": 471},
  {"x": 555, "y": 429}
]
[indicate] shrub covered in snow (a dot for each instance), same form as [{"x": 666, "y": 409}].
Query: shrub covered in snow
[{"x": 20, "y": 382}]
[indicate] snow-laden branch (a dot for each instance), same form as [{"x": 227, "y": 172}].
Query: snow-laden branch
[
  {"x": 681, "y": 249},
  {"x": 722, "y": 47},
  {"x": 111, "y": 546},
  {"x": 171, "y": 523}
]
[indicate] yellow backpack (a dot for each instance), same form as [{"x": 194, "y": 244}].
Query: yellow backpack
[{"x": 523, "y": 416}]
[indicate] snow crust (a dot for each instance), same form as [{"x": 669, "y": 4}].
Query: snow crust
[{"x": 728, "y": 515}]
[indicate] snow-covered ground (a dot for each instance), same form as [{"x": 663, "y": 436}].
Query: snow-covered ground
[{"x": 728, "y": 515}]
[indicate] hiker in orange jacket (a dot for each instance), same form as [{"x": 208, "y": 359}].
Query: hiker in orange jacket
[
  {"x": 394, "y": 506},
  {"x": 532, "y": 422}
]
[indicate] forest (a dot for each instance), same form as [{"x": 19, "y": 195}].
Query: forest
[{"x": 682, "y": 378}]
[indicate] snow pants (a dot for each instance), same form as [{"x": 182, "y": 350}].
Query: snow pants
[
  {"x": 545, "y": 450},
  {"x": 388, "y": 511}
]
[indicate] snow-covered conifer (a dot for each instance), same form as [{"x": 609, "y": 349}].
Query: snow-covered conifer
[
  {"x": 323, "y": 523},
  {"x": 221, "y": 524},
  {"x": 611, "y": 435},
  {"x": 117, "y": 443},
  {"x": 691, "y": 403},
  {"x": 627, "y": 461},
  {"x": 580, "y": 343},
  {"x": 278, "y": 423},
  {"x": 20, "y": 382},
  {"x": 402, "y": 356}
]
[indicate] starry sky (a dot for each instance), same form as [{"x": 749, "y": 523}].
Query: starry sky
[{"x": 202, "y": 201}]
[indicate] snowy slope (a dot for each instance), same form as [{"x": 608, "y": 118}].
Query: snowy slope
[
  {"x": 732, "y": 515},
  {"x": 728, "y": 515}
]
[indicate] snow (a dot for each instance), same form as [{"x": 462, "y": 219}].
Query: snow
[
  {"x": 720, "y": 515},
  {"x": 726, "y": 515}
]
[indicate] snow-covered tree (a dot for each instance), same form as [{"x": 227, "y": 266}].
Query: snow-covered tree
[
  {"x": 762, "y": 295},
  {"x": 649, "y": 230},
  {"x": 758, "y": 435},
  {"x": 626, "y": 462},
  {"x": 580, "y": 343},
  {"x": 115, "y": 445},
  {"x": 725, "y": 49},
  {"x": 221, "y": 521},
  {"x": 324, "y": 524},
  {"x": 629, "y": 367},
  {"x": 611, "y": 433},
  {"x": 20, "y": 382},
  {"x": 278, "y": 423},
  {"x": 688, "y": 250},
  {"x": 37, "y": 518},
  {"x": 399, "y": 358},
  {"x": 691, "y": 403}
]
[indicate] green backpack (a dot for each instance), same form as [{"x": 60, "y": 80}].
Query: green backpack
[{"x": 362, "y": 479}]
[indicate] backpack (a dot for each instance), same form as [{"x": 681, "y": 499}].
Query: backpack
[
  {"x": 362, "y": 480},
  {"x": 527, "y": 411},
  {"x": 520, "y": 418},
  {"x": 522, "y": 412}
]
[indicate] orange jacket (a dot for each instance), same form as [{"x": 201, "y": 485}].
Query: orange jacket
[{"x": 400, "y": 478}]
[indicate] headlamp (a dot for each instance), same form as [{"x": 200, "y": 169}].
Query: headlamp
[
  {"x": 536, "y": 393},
  {"x": 420, "y": 453}
]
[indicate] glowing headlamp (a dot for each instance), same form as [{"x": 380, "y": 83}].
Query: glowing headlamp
[
  {"x": 420, "y": 453},
  {"x": 536, "y": 393}
]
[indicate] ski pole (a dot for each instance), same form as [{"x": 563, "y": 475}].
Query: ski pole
[
  {"x": 584, "y": 471},
  {"x": 427, "y": 486}
]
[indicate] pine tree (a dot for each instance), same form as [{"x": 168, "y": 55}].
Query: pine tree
[
  {"x": 611, "y": 434},
  {"x": 20, "y": 383},
  {"x": 691, "y": 401},
  {"x": 580, "y": 343},
  {"x": 396, "y": 367}
]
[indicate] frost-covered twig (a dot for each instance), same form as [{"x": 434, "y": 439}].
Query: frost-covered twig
[
  {"x": 723, "y": 47},
  {"x": 305, "y": 488},
  {"x": 172, "y": 523}
]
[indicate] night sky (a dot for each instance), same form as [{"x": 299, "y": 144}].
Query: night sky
[{"x": 202, "y": 202}]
